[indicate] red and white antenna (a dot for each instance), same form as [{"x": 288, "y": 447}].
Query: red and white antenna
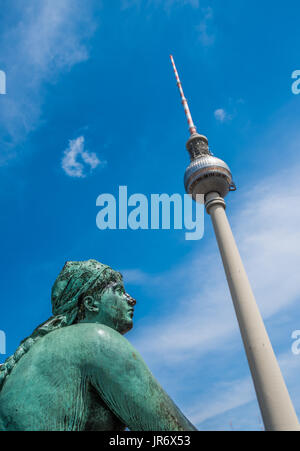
[{"x": 192, "y": 127}]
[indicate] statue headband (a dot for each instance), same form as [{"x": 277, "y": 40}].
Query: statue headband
[{"x": 76, "y": 278}]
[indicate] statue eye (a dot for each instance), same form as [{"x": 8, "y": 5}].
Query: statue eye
[{"x": 119, "y": 289}]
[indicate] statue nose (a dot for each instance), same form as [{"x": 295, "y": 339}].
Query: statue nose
[{"x": 130, "y": 300}]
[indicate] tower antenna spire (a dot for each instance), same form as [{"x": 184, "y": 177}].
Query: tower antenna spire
[{"x": 192, "y": 126}]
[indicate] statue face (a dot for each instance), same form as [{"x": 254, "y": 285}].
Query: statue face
[{"x": 115, "y": 308}]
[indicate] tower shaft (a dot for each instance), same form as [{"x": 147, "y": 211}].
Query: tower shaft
[{"x": 274, "y": 401}]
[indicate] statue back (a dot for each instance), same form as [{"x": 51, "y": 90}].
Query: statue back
[{"x": 49, "y": 388}]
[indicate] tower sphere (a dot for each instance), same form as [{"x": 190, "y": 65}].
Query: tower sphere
[{"x": 208, "y": 174}]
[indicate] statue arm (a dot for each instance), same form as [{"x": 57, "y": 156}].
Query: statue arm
[{"x": 129, "y": 389}]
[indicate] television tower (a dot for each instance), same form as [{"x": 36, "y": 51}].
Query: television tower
[{"x": 211, "y": 177}]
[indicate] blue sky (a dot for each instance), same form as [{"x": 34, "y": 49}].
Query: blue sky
[{"x": 92, "y": 80}]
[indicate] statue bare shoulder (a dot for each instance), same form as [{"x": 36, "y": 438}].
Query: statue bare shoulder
[{"x": 124, "y": 381}]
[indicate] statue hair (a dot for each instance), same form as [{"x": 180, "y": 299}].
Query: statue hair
[{"x": 66, "y": 314}]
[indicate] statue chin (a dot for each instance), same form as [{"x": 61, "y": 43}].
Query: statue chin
[
  {"x": 122, "y": 328},
  {"x": 126, "y": 327}
]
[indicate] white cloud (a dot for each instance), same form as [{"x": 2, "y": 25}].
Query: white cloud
[
  {"x": 46, "y": 39},
  {"x": 221, "y": 115},
  {"x": 76, "y": 158}
]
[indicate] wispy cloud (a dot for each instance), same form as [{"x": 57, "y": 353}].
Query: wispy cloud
[
  {"x": 47, "y": 39},
  {"x": 205, "y": 28},
  {"x": 77, "y": 158},
  {"x": 138, "y": 277},
  {"x": 222, "y": 398},
  {"x": 226, "y": 396},
  {"x": 169, "y": 3},
  {"x": 166, "y": 4}
]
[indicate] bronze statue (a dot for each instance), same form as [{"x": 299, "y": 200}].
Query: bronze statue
[{"x": 77, "y": 372}]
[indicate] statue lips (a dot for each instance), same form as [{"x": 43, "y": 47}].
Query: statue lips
[{"x": 131, "y": 311}]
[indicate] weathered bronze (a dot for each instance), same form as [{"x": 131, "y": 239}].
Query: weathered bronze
[{"x": 77, "y": 372}]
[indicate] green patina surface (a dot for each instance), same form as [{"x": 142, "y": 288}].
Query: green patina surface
[{"x": 77, "y": 371}]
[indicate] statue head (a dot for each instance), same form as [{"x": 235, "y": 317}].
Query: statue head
[
  {"x": 86, "y": 291},
  {"x": 89, "y": 291}
]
